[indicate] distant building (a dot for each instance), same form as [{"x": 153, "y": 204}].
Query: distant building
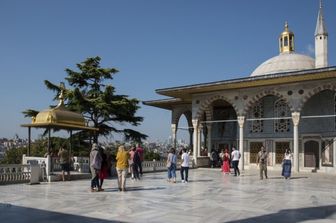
[{"x": 289, "y": 101}]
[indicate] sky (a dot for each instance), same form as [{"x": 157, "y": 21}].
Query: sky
[{"x": 153, "y": 43}]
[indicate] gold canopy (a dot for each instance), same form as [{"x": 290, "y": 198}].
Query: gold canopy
[{"x": 59, "y": 117}]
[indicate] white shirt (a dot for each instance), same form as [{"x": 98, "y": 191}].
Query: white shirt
[
  {"x": 185, "y": 160},
  {"x": 288, "y": 156},
  {"x": 235, "y": 155}
]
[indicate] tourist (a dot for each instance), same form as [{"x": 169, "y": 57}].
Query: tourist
[
  {"x": 220, "y": 158},
  {"x": 136, "y": 164},
  {"x": 108, "y": 160},
  {"x": 235, "y": 155},
  {"x": 64, "y": 159},
  {"x": 95, "y": 166},
  {"x": 184, "y": 165},
  {"x": 213, "y": 158},
  {"x": 287, "y": 164},
  {"x": 122, "y": 166},
  {"x": 226, "y": 162},
  {"x": 262, "y": 162},
  {"x": 103, "y": 173},
  {"x": 131, "y": 168},
  {"x": 171, "y": 165},
  {"x": 141, "y": 151}
]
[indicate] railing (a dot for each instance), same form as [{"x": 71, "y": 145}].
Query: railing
[
  {"x": 14, "y": 173},
  {"x": 22, "y": 173},
  {"x": 152, "y": 166},
  {"x": 149, "y": 166}
]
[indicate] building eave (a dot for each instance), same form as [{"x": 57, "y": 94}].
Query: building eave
[
  {"x": 167, "y": 104},
  {"x": 185, "y": 92},
  {"x": 59, "y": 126}
]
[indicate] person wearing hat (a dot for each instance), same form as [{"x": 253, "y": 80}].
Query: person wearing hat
[{"x": 262, "y": 162}]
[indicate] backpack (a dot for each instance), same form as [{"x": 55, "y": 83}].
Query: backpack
[{"x": 136, "y": 157}]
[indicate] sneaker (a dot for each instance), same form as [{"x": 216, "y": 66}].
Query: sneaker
[
  {"x": 183, "y": 181},
  {"x": 93, "y": 190}
]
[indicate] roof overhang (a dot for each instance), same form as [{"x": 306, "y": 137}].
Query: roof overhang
[
  {"x": 185, "y": 92},
  {"x": 59, "y": 126},
  {"x": 168, "y": 104}
]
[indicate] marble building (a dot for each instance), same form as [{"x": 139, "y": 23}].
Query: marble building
[{"x": 289, "y": 101}]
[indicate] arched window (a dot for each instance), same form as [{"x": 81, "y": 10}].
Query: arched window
[
  {"x": 281, "y": 109},
  {"x": 286, "y": 41},
  {"x": 256, "y": 112}
]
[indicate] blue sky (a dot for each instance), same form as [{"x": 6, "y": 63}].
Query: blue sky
[{"x": 154, "y": 43}]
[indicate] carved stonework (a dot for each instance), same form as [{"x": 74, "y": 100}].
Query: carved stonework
[
  {"x": 296, "y": 118},
  {"x": 241, "y": 120},
  {"x": 281, "y": 109},
  {"x": 257, "y": 112},
  {"x": 194, "y": 122}
]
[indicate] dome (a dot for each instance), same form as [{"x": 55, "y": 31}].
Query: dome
[
  {"x": 59, "y": 115},
  {"x": 285, "y": 62}
]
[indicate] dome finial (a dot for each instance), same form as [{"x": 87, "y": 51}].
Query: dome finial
[
  {"x": 286, "y": 26},
  {"x": 61, "y": 95},
  {"x": 286, "y": 40}
]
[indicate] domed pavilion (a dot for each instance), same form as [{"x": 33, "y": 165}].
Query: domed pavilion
[
  {"x": 287, "y": 102},
  {"x": 58, "y": 118}
]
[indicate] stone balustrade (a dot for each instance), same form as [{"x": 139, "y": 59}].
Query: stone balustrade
[
  {"x": 150, "y": 166},
  {"x": 14, "y": 173},
  {"x": 21, "y": 173}
]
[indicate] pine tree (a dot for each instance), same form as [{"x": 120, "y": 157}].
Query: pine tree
[{"x": 91, "y": 93}]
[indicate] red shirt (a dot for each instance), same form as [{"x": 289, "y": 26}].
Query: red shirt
[{"x": 141, "y": 153}]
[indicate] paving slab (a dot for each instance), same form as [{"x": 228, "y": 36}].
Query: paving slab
[{"x": 209, "y": 197}]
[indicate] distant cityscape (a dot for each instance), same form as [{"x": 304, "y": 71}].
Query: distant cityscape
[{"x": 157, "y": 146}]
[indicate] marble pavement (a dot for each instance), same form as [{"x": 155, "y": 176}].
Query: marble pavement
[{"x": 209, "y": 197}]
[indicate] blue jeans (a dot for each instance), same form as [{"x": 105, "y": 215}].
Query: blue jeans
[
  {"x": 172, "y": 171},
  {"x": 185, "y": 170},
  {"x": 235, "y": 164}
]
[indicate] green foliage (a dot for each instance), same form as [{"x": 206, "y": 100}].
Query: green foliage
[
  {"x": 150, "y": 156},
  {"x": 93, "y": 95},
  {"x": 14, "y": 156}
]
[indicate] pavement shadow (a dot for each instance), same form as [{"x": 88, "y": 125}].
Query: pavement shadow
[
  {"x": 294, "y": 215},
  {"x": 134, "y": 189},
  {"x": 291, "y": 178},
  {"x": 144, "y": 188},
  {"x": 191, "y": 181},
  {"x": 16, "y": 214}
]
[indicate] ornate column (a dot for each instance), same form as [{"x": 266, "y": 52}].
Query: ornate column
[
  {"x": 241, "y": 120},
  {"x": 195, "y": 140},
  {"x": 209, "y": 125},
  {"x": 199, "y": 140},
  {"x": 174, "y": 129},
  {"x": 296, "y": 120}
]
